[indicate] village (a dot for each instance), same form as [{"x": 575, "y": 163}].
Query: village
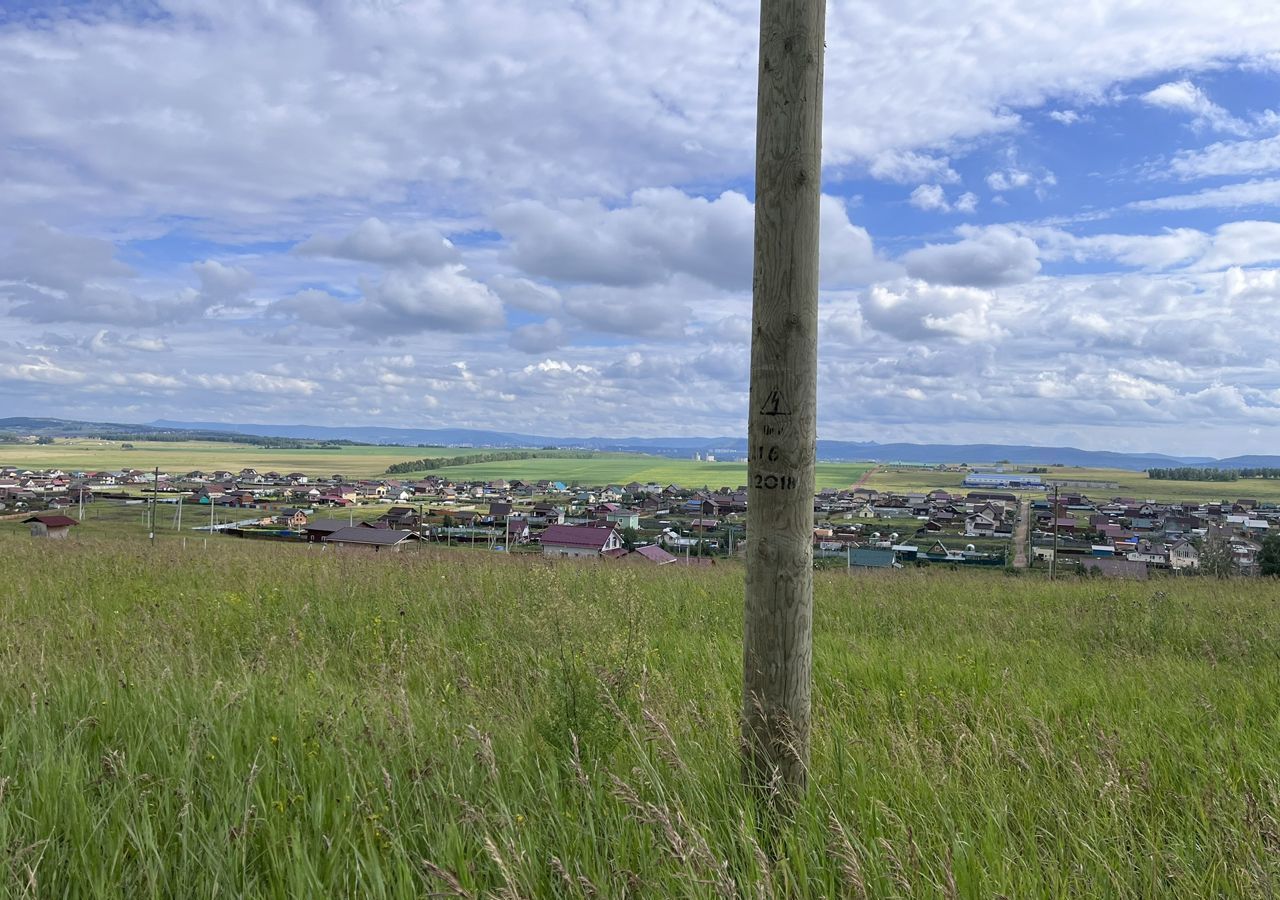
[{"x": 859, "y": 528}]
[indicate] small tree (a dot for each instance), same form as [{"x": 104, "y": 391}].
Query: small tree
[
  {"x": 629, "y": 537},
  {"x": 1216, "y": 557},
  {"x": 1269, "y": 558}
]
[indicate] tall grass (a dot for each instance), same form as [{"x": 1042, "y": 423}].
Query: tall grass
[{"x": 273, "y": 721}]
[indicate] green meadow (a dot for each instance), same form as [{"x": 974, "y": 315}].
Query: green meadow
[
  {"x": 208, "y": 456},
  {"x": 602, "y": 468},
  {"x": 621, "y": 468},
  {"x": 242, "y": 719},
  {"x": 1132, "y": 484},
  {"x": 372, "y": 461}
]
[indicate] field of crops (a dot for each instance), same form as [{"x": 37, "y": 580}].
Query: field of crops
[
  {"x": 1132, "y": 484},
  {"x": 621, "y": 468},
  {"x": 367, "y": 462},
  {"x": 250, "y": 720},
  {"x": 184, "y": 456},
  {"x": 604, "y": 468}
]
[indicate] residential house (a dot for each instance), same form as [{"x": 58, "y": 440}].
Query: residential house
[
  {"x": 293, "y": 518},
  {"x": 652, "y": 554},
  {"x": 1184, "y": 555},
  {"x": 52, "y": 527},
  {"x": 319, "y": 529},
  {"x": 1149, "y": 553},
  {"x": 546, "y": 513},
  {"x": 401, "y": 517},
  {"x": 376, "y": 539},
  {"x": 580, "y": 541},
  {"x": 655, "y": 506},
  {"x": 1245, "y": 553},
  {"x": 624, "y": 518},
  {"x": 1115, "y": 532},
  {"x": 980, "y": 524},
  {"x": 372, "y": 489},
  {"x": 518, "y": 531}
]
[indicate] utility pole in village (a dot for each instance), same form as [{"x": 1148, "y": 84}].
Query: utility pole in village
[
  {"x": 155, "y": 496},
  {"x": 1053, "y": 560},
  {"x": 782, "y": 419}
]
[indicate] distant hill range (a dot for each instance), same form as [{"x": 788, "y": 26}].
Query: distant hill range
[
  {"x": 25, "y": 426},
  {"x": 725, "y": 448},
  {"x": 733, "y": 448}
]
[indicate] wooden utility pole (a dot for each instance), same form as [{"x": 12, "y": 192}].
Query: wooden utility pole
[
  {"x": 155, "y": 496},
  {"x": 781, "y": 426},
  {"x": 1053, "y": 560}
]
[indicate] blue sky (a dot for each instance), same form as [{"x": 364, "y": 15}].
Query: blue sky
[{"x": 1042, "y": 223}]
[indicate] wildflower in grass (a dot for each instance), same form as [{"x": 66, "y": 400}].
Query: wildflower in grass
[{"x": 275, "y": 739}]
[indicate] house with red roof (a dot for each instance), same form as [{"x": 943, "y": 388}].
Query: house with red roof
[
  {"x": 581, "y": 540},
  {"x": 652, "y": 553},
  {"x": 53, "y": 527},
  {"x": 518, "y": 530}
]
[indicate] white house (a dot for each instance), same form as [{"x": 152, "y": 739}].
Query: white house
[{"x": 1184, "y": 555}]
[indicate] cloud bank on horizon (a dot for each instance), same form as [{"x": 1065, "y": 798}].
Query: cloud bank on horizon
[{"x": 1042, "y": 223}]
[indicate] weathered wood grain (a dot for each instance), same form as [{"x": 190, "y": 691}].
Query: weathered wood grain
[{"x": 782, "y": 417}]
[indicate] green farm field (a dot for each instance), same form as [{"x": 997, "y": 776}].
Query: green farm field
[
  {"x": 372, "y": 461},
  {"x": 184, "y": 456},
  {"x": 242, "y": 719},
  {"x": 1132, "y": 484},
  {"x": 114, "y": 519},
  {"x": 620, "y": 468},
  {"x": 1138, "y": 485}
]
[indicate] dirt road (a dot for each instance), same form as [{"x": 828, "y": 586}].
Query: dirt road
[
  {"x": 1020, "y": 534},
  {"x": 865, "y": 475}
]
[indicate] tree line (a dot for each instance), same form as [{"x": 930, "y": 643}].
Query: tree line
[
  {"x": 1205, "y": 473},
  {"x": 1193, "y": 473},
  {"x": 446, "y": 462},
  {"x": 220, "y": 437}
]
